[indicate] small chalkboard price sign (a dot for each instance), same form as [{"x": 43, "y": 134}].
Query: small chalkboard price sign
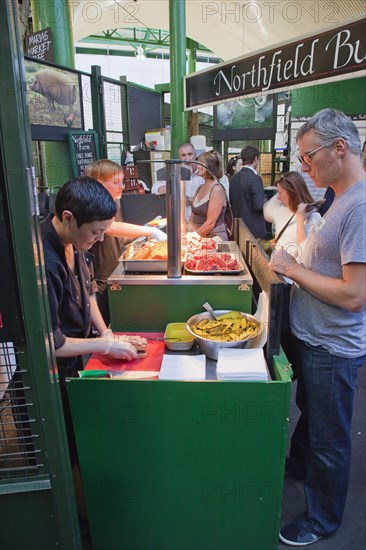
[{"x": 84, "y": 149}]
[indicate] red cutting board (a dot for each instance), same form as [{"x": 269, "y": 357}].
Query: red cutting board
[{"x": 155, "y": 351}]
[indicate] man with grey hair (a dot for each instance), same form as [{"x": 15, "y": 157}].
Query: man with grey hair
[
  {"x": 193, "y": 181},
  {"x": 327, "y": 313}
]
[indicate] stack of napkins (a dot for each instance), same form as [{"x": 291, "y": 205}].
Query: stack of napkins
[
  {"x": 242, "y": 364},
  {"x": 183, "y": 367}
]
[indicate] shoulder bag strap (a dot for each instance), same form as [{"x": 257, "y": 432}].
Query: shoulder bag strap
[{"x": 284, "y": 228}]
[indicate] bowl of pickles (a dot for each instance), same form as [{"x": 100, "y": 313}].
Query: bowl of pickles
[{"x": 231, "y": 329}]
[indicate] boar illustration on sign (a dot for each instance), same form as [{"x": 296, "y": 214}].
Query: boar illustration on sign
[
  {"x": 53, "y": 96},
  {"x": 56, "y": 87}
]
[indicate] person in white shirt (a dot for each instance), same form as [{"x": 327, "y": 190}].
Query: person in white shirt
[
  {"x": 186, "y": 152},
  {"x": 293, "y": 213}
]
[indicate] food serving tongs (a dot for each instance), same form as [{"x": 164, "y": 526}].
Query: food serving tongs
[{"x": 208, "y": 308}]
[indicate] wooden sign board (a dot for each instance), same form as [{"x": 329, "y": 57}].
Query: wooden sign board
[
  {"x": 84, "y": 150},
  {"x": 39, "y": 45},
  {"x": 335, "y": 53}
]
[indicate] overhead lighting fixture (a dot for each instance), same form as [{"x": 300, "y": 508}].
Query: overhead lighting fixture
[{"x": 140, "y": 54}]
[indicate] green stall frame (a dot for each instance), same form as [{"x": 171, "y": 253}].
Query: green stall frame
[{"x": 183, "y": 465}]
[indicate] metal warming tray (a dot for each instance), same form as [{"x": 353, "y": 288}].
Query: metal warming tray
[{"x": 145, "y": 265}]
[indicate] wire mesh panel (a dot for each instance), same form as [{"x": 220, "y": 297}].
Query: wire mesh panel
[
  {"x": 87, "y": 102},
  {"x": 116, "y": 119},
  {"x": 19, "y": 452}
]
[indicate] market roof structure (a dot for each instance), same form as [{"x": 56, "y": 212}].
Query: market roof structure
[{"x": 228, "y": 28}]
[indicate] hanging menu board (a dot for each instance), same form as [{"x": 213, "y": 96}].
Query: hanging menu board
[{"x": 84, "y": 150}]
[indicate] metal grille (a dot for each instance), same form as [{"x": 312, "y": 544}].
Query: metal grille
[
  {"x": 87, "y": 102},
  {"x": 116, "y": 122},
  {"x": 19, "y": 455},
  {"x": 112, "y": 105}
]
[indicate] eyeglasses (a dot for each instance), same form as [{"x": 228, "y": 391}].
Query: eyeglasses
[{"x": 307, "y": 156}]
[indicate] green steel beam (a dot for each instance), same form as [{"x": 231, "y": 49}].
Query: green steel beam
[
  {"x": 56, "y": 14},
  {"x": 99, "y": 122},
  {"x": 177, "y": 25},
  {"x": 131, "y": 53},
  {"x": 151, "y": 37},
  {"x": 192, "y": 46},
  {"x": 163, "y": 88},
  {"x": 36, "y": 353}
]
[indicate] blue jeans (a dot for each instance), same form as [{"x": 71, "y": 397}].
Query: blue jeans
[{"x": 325, "y": 393}]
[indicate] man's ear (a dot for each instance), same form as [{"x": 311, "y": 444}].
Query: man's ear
[
  {"x": 340, "y": 146},
  {"x": 67, "y": 217}
]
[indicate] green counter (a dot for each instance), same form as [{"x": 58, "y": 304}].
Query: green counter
[
  {"x": 183, "y": 465},
  {"x": 170, "y": 465}
]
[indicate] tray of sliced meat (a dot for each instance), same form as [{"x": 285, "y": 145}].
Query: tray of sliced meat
[{"x": 217, "y": 262}]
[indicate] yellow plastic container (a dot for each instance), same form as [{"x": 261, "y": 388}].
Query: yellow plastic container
[{"x": 177, "y": 337}]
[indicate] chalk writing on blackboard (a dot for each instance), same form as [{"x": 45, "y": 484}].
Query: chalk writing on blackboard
[
  {"x": 84, "y": 150},
  {"x": 39, "y": 45}
]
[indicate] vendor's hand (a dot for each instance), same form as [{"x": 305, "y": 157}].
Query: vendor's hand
[
  {"x": 281, "y": 261},
  {"x": 158, "y": 235},
  {"x": 119, "y": 350}
]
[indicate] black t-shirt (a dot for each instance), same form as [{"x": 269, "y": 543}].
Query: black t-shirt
[{"x": 68, "y": 293}]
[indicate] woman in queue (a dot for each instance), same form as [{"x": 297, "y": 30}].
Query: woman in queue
[
  {"x": 293, "y": 213},
  {"x": 210, "y": 201}
]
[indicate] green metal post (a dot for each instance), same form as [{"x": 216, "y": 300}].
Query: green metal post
[
  {"x": 192, "y": 46},
  {"x": 177, "y": 28},
  {"x": 97, "y": 96},
  {"x": 53, "y": 481},
  {"x": 56, "y": 15}
]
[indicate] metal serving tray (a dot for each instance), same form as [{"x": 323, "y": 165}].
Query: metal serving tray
[
  {"x": 145, "y": 266},
  {"x": 227, "y": 247}
]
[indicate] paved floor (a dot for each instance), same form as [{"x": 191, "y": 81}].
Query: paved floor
[{"x": 352, "y": 533}]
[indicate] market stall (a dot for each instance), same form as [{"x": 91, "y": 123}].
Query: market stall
[{"x": 184, "y": 464}]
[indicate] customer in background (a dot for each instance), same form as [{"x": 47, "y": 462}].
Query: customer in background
[
  {"x": 292, "y": 212},
  {"x": 210, "y": 201},
  {"x": 327, "y": 316},
  {"x": 84, "y": 210},
  {"x": 318, "y": 194},
  {"x": 107, "y": 252},
  {"x": 247, "y": 194},
  {"x": 233, "y": 166},
  {"x": 315, "y": 192},
  {"x": 186, "y": 152}
]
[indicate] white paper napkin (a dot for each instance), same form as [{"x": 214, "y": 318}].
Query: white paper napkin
[
  {"x": 183, "y": 367},
  {"x": 241, "y": 364}
]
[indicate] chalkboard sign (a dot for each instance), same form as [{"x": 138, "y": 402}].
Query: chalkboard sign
[
  {"x": 84, "y": 150},
  {"x": 39, "y": 45}
]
